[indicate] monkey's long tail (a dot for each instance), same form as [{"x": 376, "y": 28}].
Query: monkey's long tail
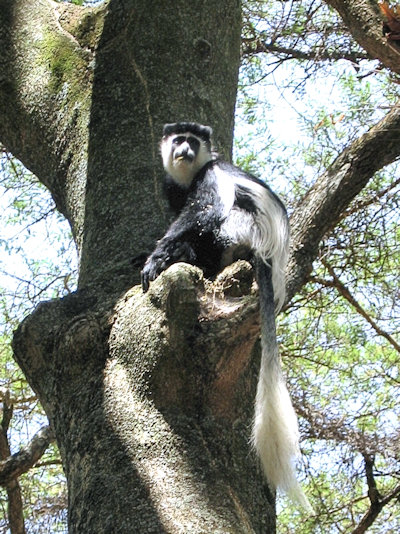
[{"x": 275, "y": 431}]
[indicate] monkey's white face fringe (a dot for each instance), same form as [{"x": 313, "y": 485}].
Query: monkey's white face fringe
[{"x": 183, "y": 171}]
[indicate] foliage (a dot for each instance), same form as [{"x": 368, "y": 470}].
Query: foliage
[{"x": 37, "y": 263}]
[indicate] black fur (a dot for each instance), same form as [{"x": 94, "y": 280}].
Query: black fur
[
  {"x": 193, "y": 237},
  {"x": 204, "y": 132}
]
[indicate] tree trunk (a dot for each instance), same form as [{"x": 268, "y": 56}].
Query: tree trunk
[
  {"x": 152, "y": 406},
  {"x": 151, "y": 396}
]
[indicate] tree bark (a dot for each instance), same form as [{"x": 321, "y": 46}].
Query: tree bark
[
  {"x": 84, "y": 94},
  {"x": 365, "y": 22},
  {"x": 152, "y": 406}
]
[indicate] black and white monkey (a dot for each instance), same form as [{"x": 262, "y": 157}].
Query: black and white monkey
[{"x": 225, "y": 214}]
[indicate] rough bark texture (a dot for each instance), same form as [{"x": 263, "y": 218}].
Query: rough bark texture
[
  {"x": 84, "y": 95},
  {"x": 152, "y": 406},
  {"x": 150, "y": 396}
]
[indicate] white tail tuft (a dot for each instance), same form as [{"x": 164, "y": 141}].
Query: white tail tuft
[{"x": 275, "y": 431}]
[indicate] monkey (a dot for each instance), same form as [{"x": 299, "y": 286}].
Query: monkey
[{"x": 224, "y": 214}]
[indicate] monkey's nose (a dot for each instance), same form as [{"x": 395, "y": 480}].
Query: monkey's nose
[{"x": 185, "y": 154}]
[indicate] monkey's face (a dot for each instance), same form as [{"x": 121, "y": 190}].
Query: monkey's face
[
  {"x": 183, "y": 156},
  {"x": 184, "y": 149}
]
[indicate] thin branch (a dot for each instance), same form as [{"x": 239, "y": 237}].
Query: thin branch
[
  {"x": 22, "y": 461},
  {"x": 345, "y": 292},
  {"x": 253, "y": 46},
  {"x": 16, "y": 400},
  {"x": 15, "y": 507},
  {"x": 334, "y": 428},
  {"x": 362, "y": 204},
  {"x": 7, "y": 415},
  {"x": 377, "y": 501}
]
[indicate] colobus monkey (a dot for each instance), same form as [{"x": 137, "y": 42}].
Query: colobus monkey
[{"x": 225, "y": 214}]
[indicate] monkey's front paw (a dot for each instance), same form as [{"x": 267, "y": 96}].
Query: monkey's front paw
[
  {"x": 150, "y": 271},
  {"x": 163, "y": 257},
  {"x": 146, "y": 276}
]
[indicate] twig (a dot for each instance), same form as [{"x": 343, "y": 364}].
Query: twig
[{"x": 344, "y": 291}]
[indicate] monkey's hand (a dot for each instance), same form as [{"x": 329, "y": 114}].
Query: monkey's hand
[
  {"x": 163, "y": 256},
  {"x": 152, "y": 268}
]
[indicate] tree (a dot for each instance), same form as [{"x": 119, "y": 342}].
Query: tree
[{"x": 143, "y": 418}]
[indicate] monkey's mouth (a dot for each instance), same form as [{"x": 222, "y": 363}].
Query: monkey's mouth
[{"x": 183, "y": 158}]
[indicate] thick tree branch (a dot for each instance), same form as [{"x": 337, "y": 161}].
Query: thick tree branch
[
  {"x": 45, "y": 89},
  {"x": 364, "y": 20},
  {"x": 332, "y": 193}
]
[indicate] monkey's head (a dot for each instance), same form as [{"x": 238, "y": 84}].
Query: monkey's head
[{"x": 185, "y": 149}]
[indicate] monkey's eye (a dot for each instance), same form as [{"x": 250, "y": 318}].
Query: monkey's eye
[
  {"x": 193, "y": 143},
  {"x": 179, "y": 140}
]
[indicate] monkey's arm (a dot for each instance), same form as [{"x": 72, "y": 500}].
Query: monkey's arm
[
  {"x": 200, "y": 217},
  {"x": 173, "y": 247}
]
